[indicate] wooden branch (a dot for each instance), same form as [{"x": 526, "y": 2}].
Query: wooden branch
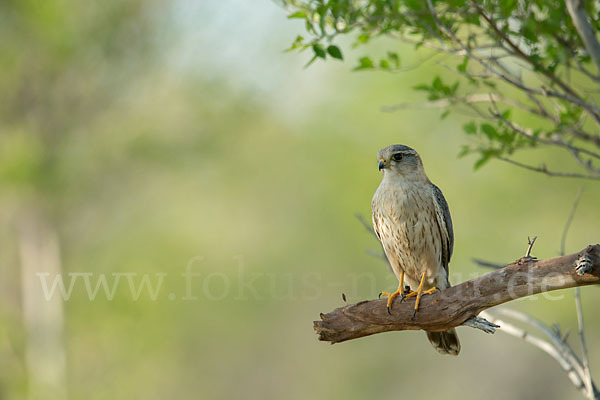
[
  {"x": 584, "y": 28},
  {"x": 454, "y": 306}
]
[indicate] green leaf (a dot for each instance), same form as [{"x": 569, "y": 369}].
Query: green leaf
[
  {"x": 335, "y": 52},
  {"x": 489, "y": 131},
  {"x": 445, "y": 114},
  {"x": 312, "y": 60},
  {"x": 319, "y": 51},
  {"x": 423, "y": 87},
  {"x": 384, "y": 64},
  {"x": 464, "y": 151},
  {"x": 508, "y": 6},
  {"x": 470, "y": 128},
  {"x": 394, "y": 58},
  {"x": 437, "y": 84},
  {"x": 309, "y": 27},
  {"x": 363, "y": 38},
  {"x": 462, "y": 67},
  {"x": 486, "y": 155},
  {"x": 297, "y": 14},
  {"x": 481, "y": 162},
  {"x": 453, "y": 89},
  {"x": 298, "y": 42},
  {"x": 364, "y": 63}
]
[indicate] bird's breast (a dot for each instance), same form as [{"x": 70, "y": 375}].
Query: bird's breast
[{"x": 407, "y": 225}]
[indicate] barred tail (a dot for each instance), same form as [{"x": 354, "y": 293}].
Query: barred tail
[{"x": 445, "y": 342}]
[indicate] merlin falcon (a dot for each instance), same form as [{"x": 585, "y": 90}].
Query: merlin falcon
[{"x": 412, "y": 220}]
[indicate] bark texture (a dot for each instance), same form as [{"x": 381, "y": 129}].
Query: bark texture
[{"x": 454, "y": 306}]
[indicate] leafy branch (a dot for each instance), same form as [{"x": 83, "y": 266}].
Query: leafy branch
[{"x": 528, "y": 54}]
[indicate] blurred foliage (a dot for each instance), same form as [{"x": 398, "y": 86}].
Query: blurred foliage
[
  {"x": 142, "y": 166},
  {"x": 524, "y": 58},
  {"x": 64, "y": 64}
]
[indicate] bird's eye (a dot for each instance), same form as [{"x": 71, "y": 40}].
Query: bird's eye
[{"x": 397, "y": 157}]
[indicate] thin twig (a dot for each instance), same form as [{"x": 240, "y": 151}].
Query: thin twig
[
  {"x": 530, "y": 242},
  {"x": 590, "y": 390},
  {"x": 563, "y": 239},
  {"x": 487, "y": 264},
  {"x": 366, "y": 225},
  {"x": 513, "y": 330},
  {"x": 470, "y": 99},
  {"x": 556, "y": 340},
  {"x": 378, "y": 254},
  {"x": 589, "y": 385},
  {"x": 545, "y": 170},
  {"x": 587, "y": 378},
  {"x": 568, "y": 91},
  {"x": 574, "y": 149}
]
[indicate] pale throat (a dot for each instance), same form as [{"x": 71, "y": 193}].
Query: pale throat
[{"x": 391, "y": 177}]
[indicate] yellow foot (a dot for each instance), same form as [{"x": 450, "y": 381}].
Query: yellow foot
[
  {"x": 421, "y": 292},
  {"x": 399, "y": 292},
  {"x": 413, "y": 294},
  {"x": 391, "y": 297}
]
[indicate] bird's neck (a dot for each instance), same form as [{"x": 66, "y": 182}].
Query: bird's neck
[{"x": 398, "y": 179}]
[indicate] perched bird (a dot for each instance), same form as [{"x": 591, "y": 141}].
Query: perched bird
[{"x": 412, "y": 220}]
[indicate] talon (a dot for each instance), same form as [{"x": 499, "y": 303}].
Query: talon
[
  {"x": 414, "y": 315},
  {"x": 391, "y": 296},
  {"x": 402, "y": 297},
  {"x": 379, "y": 295},
  {"x": 420, "y": 292}
]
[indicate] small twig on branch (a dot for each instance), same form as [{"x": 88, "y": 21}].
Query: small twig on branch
[
  {"x": 543, "y": 169},
  {"x": 563, "y": 239},
  {"x": 569, "y": 94},
  {"x": 530, "y": 242},
  {"x": 369, "y": 228},
  {"x": 454, "y": 306},
  {"x": 442, "y": 103},
  {"x": 366, "y": 225},
  {"x": 481, "y": 324},
  {"x": 574, "y": 149}
]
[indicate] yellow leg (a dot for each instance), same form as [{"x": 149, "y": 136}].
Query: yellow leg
[
  {"x": 420, "y": 293},
  {"x": 398, "y": 292}
]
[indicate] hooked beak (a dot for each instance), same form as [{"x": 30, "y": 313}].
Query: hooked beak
[{"x": 383, "y": 164}]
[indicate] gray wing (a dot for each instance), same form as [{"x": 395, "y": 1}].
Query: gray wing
[{"x": 445, "y": 224}]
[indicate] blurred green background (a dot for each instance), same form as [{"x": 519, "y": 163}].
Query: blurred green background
[{"x": 143, "y": 139}]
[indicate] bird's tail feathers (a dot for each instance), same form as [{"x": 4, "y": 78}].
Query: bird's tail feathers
[{"x": 445, "y": 342}]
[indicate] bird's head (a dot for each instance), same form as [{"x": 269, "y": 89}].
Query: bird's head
[{"x": 402, "y": 162}]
